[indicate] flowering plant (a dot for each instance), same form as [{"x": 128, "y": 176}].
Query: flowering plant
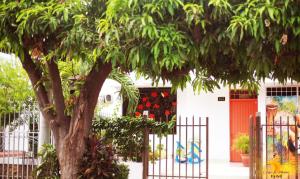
[{"x": 159, "y": 102}]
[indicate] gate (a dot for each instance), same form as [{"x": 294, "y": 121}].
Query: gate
[
  {"x": 19, "y": 143},
  {"x": 274, "y": 148},
  {"x": 181, "y": 154}
]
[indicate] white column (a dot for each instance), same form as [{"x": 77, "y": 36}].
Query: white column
[{"x": 44, "y": 132}]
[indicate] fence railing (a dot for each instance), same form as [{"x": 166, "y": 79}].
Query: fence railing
[
  {"x": 274, "y": 148},
  {"x": 255, "y": 147},
  {"x": 19, "y": 142},
  {"x": 181, "y": 154}
]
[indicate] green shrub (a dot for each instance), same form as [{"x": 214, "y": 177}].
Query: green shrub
[
  {"x": 49, "y": 167},
  {"x": 127, "y": 134},
  {"x": 100, "y": 162},
  {"x": 123, "y": 172},
  {"x": 241, "y": 143}
]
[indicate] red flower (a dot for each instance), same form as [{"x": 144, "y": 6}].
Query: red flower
[
  {"x": 152, "y": 116},
  {"x": 148, "y": 104},
  {"x": 167, "y": 112},
  {"x": 144, "y": 99},
  {"x": 137, "y": 114},
  {"x": 140, "y": 107},
  {"x": 154, "y": 94},
  {"x": 155, "y": 106},
  {"x": 174, "y": 103},
  {"x": 165, "y": 94}
]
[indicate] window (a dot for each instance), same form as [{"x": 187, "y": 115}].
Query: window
[
  {"x": 282, "y": 91},
  {"x": 242, "y": 94}
]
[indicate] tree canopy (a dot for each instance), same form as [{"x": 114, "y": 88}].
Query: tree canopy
[
  {"x": 224, "y": 41},
  {"x": 15, "y": 89},
  {"x": 221, "y": 41}
]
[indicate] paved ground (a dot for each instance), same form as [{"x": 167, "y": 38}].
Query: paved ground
[
  {"x": 217, "y": 170},
  {"x": 226, "y": 170}
]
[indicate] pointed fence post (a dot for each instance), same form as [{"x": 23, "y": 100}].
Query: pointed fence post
[
  {"x": 146, "y": 148},
  {"x": 251, "y": 148},
  {"x": 297, "y": 146}
]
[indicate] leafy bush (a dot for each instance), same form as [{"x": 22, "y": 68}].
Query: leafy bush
[
  {"x": 241, "y": 143},
  {"x": 49, "y": 168},
  {"x": 99, "y": 161},
  {"x": 127, "y": 134},
  {"x": 123, "y": 172}
]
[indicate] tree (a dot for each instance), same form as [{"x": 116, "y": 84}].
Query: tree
[
  {"x": 220, "y": 41},
  {"x": 15, "y": 89}
]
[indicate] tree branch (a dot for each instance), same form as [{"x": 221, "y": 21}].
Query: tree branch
[
  {"x": 88, "y": 98},
  {"x": 95, "y": 80},
  {"x": 35, "y": 77},
  {"x": 57, "y": 89}
]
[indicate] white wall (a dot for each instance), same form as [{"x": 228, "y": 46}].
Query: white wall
[
  {"x": 261, "y": 99},
  {"x": 16, "y": 140},
  {"x": 110, "y": 87},
  {"x": 199, "y": 105},
  {"x": 207, "y": 105}
]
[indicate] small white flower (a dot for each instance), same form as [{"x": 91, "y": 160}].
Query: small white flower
[{"x": 267, "y": 23}]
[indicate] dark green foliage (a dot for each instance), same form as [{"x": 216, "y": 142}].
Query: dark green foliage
[
  {"x": 123, "y": 172},
  {"x": 100, "y": 162},
  {"x": 221, "y": 41},
  {"x": 49, "y": 167},
  {"x": 127, "y": 133}
]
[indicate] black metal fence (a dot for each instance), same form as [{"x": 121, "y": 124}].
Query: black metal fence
[{"x": 181, "y": 154}]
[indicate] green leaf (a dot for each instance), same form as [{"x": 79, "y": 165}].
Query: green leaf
[
  {"x": 277, "y": 46},
  {"x": 271, "y": 13},
  {"x": 66, "y": 15}
]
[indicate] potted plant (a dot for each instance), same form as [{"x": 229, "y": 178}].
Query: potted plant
[{"x": 241, "y": 144}]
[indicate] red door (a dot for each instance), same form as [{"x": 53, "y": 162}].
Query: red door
[{"x": 240, "y": 110}]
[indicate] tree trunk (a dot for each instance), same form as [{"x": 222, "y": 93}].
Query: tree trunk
[
  {"x": 70, "y": 155},
  {"x": 70, "y": 131},
  {"x": 71, "y": 142}
]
